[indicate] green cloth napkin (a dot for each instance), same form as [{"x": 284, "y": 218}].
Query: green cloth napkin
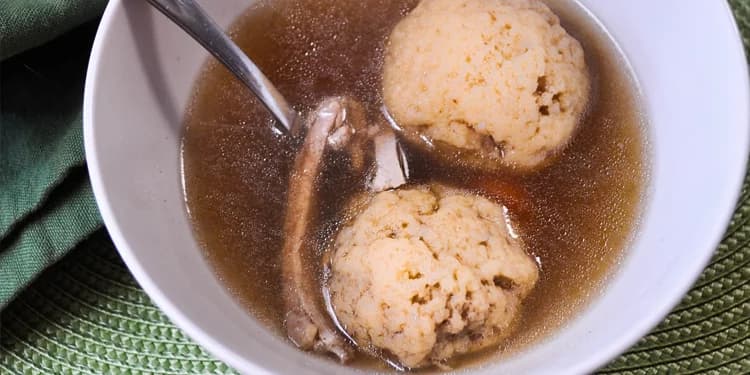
[
  {"x": 46, "y": 204},
  {"x": 89, "y": 316},
  {"x": 25, "y": 24}
]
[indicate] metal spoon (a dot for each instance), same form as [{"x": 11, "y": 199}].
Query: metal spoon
[{"x": 193, "y": 19}]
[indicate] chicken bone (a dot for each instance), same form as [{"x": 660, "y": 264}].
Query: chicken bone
[{"x": 339, "y": 124}]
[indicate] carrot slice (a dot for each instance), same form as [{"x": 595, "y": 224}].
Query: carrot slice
[{"x": 510, "y": 194}]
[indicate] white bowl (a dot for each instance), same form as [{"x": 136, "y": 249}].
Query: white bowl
[{"x": 687, "y": 56}]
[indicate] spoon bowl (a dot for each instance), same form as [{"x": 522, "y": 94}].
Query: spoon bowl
[{"x": 695, "y": 88}]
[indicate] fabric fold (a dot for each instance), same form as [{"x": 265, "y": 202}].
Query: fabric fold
[
  {"x": 46, "y": 203},
  {"x": 25, "y": 24},
  {"x": 69, "y": 217}
]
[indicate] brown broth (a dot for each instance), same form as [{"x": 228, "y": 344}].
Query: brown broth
[{"x": 581, "y": 211}]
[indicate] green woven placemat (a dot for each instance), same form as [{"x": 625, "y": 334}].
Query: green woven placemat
[{"x": 87, "y": 315}]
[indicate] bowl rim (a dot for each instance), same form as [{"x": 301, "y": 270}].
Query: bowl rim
[{"x": 232, "y": 358}]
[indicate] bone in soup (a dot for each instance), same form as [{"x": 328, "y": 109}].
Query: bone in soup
[{"x": 526, "y": 161}]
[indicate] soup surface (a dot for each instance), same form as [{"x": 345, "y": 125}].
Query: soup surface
[{"x": 577, "y": 215}]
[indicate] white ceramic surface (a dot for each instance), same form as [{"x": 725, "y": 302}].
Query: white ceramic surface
[{"x": 694, "y": 82}]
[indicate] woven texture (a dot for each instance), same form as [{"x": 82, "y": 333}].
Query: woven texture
[
  {"x": 87, "y": 315},
  {"x": 46, "y": 204},
  {"x": 26, "y": 24}
]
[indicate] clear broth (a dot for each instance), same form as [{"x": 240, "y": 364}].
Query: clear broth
[{"x": 579, "y": 212}]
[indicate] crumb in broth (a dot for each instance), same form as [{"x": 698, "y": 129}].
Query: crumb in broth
[{"x": 581, "y": 211}]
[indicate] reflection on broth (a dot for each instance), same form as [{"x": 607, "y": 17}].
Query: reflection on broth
[{"x": 574, "y": 215}]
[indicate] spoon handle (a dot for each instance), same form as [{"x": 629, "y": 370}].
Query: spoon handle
[{"x": 193, "y": 19}]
